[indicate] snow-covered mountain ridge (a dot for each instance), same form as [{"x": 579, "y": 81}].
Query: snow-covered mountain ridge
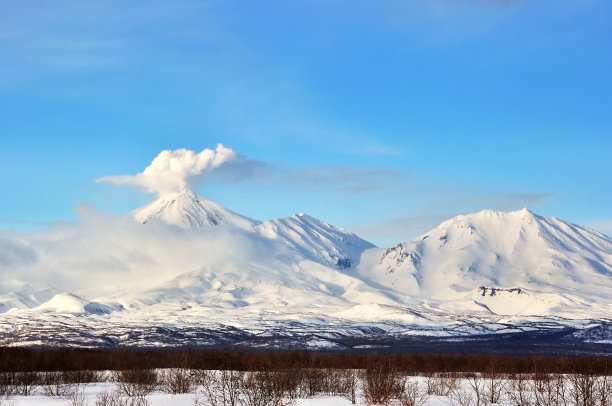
[{"x": 479, "y": 273}]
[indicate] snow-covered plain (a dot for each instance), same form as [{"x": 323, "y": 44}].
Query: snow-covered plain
[
  {"x": 186, "y": 270},
  {"x": 442, "y": 389}
]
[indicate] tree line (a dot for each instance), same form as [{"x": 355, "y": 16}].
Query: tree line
[{"x": 15, "y": 359}]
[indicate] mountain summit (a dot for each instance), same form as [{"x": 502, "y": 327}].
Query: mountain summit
[{"x": 189, "y": 210}]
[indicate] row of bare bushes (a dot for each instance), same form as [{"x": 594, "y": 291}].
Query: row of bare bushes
[
  {"x": 471, "y": 389},
  {"x": 64, "y": 359},
  {"x": 379, "y": 384}
]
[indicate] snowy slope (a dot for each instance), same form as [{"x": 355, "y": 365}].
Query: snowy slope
[
  {"x": 514, "y": 262},
  {"x": 316, "y": 240},
  {"x": 16, "y": 294},
  {"x": 68, "y": 303},
  {"x": 188, "y": 210}
]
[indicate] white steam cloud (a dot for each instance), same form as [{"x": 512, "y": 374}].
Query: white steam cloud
[
  {"x": 103, "y": 253},
  {"x": 172, "y": 171}
]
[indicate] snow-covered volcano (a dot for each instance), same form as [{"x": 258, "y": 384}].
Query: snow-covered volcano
[
  {"x": 188, "y": 210},
  {"x": 509, "y": 263},
  {"x": 482, "y": 272}
]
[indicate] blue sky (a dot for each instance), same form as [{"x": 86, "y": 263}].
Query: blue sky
[{"x": 383, "y": 117}]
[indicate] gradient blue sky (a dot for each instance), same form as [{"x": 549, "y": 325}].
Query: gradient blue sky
[{"x": 384, "y": 117}]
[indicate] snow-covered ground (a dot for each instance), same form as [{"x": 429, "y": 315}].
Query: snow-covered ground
[{"x": 443, "y": 389}]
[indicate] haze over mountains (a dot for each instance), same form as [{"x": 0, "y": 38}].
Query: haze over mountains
[{"x": 483, "y": 272}]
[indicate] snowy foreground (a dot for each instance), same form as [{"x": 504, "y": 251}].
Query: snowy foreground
[{"x": 321, "y": 388}]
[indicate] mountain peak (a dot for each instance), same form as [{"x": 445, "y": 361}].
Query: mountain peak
[
  {"x": 490, "y": 217},
  {"x": 503, "y": 250},
  {"x": 186, "y": 209}
]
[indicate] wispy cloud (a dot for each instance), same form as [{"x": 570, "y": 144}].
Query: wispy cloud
[
  {"x": 470, "y": 200},
  {"x": 347, "y": 179},
  {"x": 390, "y": 231},
  {"x": 47, "y": 37},
  {"x": 409, "y": 223}
]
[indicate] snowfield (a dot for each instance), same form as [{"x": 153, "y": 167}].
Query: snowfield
[
  {"x": 185, "y": 270},
  {"x": 233, "y": 388}
]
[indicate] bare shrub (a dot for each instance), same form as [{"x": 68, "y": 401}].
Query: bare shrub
[
  {"x": 77, "y": 398},
  {"x": 473, "y": 395},
  {"x": 136, "y": 383},
  {"x": 54, "y": 384},
  {"x": 209, "y": 388},
  {"x": 116, "y": 398},
  {"x": 198, "y": 399},
  {"x": 230, "y": 382},
  {"x": 603, "y": 391},
  {"x": 81, "y": 376},
  {"x": 176, "y": 381},
  {"x": 25, "y": 382},
  {"x": 256, "y": 390},
  {"x": 549, "y": 390},
  {"x": 105, "y": 398},
  {"x": 327, "y": 381},
  {"x": 381, "y": 384},
  {"x": 441, "y": 384},
  {"x": 463, "y": 397},
  {"x": 313, "y": 382},
  {"x": 413, "y": 395},
  {"x": 582, "y": 389},
  {"x": 7, "y": 384},
  {"x": 284, "y": 385},
  {"x": 348, "y": 379},
  {"x": 518, "y": 391},
  {"x": 494, "y": 388}
]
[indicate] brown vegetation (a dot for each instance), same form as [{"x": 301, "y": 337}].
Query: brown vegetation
[
  {"x": 81, "y": 360},
  {"x": 278, "y": 379}
]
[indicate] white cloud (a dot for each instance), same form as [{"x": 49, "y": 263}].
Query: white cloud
[
  {"x": 103, "y": 253},
  {"x": 172, "y": 171}
]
